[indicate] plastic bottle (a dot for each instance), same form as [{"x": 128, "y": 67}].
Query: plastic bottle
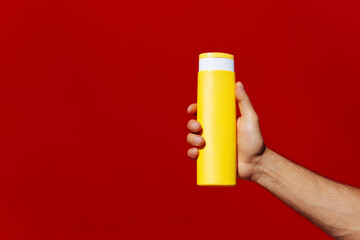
[{"x": 216, "y": 112}]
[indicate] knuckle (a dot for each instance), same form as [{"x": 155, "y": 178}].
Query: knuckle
[{"x": 254, "y": 117}]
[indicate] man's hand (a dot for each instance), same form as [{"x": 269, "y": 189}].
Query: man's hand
[
  {"x": 333, "y": 207},
  {"x": 250, "y": 144}
]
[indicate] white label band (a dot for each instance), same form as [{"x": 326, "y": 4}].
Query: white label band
[{"x": 216, "y": 64}]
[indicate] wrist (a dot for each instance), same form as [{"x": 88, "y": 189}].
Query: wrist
[{"x": 260, "y": 165}]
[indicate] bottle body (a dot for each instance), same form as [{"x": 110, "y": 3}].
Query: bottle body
[{"x": 216, "y": 112}]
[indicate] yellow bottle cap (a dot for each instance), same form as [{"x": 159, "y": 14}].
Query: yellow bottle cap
[{"x": 216, "y": 55}]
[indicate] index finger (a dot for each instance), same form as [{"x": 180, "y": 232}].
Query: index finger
[{"x": 192, "y": 108}]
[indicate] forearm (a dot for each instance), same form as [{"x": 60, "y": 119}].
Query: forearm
[{"x": 332, "y": 206}]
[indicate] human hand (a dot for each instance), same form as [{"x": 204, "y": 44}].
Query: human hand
[{"x": 250, "y": 144}]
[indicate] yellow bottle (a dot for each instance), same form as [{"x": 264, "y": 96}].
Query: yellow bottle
[{"x": 216, "y": 112}]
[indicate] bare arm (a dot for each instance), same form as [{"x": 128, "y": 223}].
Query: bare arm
[{"x": 333, "y": 207}]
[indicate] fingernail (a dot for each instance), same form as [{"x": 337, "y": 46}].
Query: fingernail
[
  {"x": 198, "y": 140},
  {"x": 193, "y": 151},
  {"x": 188, "y": 109},
  {"x": 195, "y": 125},
  {"x": 239, "y": 84}
]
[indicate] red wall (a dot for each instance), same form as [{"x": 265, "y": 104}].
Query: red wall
[{"x": 93, "y": 98}]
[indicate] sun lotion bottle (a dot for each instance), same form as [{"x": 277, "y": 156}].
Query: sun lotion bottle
[{"x": 216, "y": 112}]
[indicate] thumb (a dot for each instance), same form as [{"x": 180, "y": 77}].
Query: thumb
[{"x": 245, "y": 106}]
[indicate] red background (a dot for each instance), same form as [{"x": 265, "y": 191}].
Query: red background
[{"x": 93, "y": 101}]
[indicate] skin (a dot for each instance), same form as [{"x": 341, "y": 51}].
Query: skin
[{"x": 332, "y": 206}]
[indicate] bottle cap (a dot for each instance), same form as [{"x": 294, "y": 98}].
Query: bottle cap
[
  {"x": 216, "y": 61},
  {"x": 217, "y": 55}
]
